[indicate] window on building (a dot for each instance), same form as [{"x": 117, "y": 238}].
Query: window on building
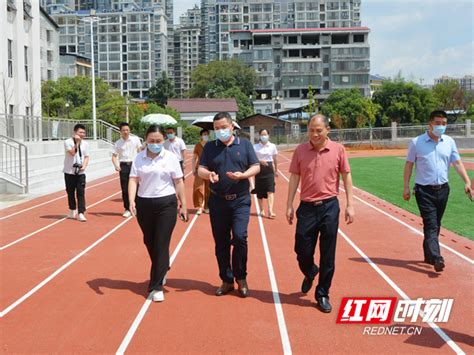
[
  {"x": 10, "y": 58},
  {"x": 26, "y": 63}
]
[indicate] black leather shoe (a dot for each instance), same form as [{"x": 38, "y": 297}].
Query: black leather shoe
[
  {"x": 324, "y": 305},
  {"x": 428, "y": 261},
  {"x": 224, "y": 289},
  {"x": 439, "y": 264},
  {"x": 243, "y": 288},
  {"x": 306, "y": 284}
]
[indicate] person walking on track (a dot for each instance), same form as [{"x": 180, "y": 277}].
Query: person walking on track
[
  {"x": 432, "y": 153},
  {"x": 159, "y": 178},
  {"x": 228, "y": 163},
  {"x": 76, "y": 160},
  {"x": 200, "y": 187},
  {"x": 125, "y": 151},
  {"x": 265, "y": 180},
  {"x": 318, "y": 164},
  {"x": 175, "y": 145}
]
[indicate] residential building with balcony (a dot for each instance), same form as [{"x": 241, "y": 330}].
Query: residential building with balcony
[{"x": 289, "y": 61}]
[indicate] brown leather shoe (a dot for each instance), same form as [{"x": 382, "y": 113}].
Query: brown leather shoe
[
  {"x": 224, "y": 289},
  {"x": 243, "y": 288}
]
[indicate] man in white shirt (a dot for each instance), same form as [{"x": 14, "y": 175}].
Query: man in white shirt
[
  {"x": 125, "y": 151},
  {"x": 76, "y": 160},
  {"x": 175, "y": 145}
]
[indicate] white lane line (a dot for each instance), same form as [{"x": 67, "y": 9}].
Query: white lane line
[
  {"x": 285, "y": 340},
  {"x": 462, "y": 256},
  {"x": 435, "y": 327},
  {"x": 141, "y": 314},
  {"x": 58, "y": 271},
  {"x": 52, "y": 224},
  {"x": 52, "y": 200}
]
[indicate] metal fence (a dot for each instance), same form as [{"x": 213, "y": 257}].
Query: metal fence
[
  {"x": 35, "y": 128},
  {"x": 14, "y": 162}
]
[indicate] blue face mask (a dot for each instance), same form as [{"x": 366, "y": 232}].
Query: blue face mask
[
  {"x": 438, "y": 131},
  {"x": 223, "y": 134},
  {"x": 264, "y": 139},
  {"x": 170, "y": 135},
  {"x": 155, "y": 148}
]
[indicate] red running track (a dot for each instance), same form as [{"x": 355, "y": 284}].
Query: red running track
[{"x": 81, "y": 287}]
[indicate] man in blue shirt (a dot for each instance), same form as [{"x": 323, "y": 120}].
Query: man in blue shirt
[
  {"x": 228, "y": 162},
  {"x": 433, "y": 152}
]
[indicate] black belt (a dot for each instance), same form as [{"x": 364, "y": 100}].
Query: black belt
[
  {"x": 433, "y": 187},
  {"x": 319, "y": 202},
  {"x": 230, "y": 197},
  {"x": 128, "y": 163}
]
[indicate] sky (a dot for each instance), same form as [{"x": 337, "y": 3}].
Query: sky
[{"x": 423, "y": 39}]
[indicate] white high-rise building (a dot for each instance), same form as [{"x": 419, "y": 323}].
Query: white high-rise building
[
  {"x": 49, "y": 37},
  {"x": 20, "y": 73}
]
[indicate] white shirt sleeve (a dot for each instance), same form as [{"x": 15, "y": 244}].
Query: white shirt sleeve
[
  {"x": 134, "y": 170},
  {"x": 68, "y": 144},
  {"x": 183, "y": 145},
  {"x": 176, "y": 172},
  {"x": 138, "y": 144},
  {"x": 115, "y": 149},
  {"x": 84, "y": 149}
]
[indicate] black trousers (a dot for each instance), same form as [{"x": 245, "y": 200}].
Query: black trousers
[
  {"x": 124, "y": 177},
  {"x": 432, "y": 204},
  {"x": 229, "y": 222},
  {"x": 315, "y": 222},
  {"x": 157, "y": 218},
  {"x": 75, "y": 187}
]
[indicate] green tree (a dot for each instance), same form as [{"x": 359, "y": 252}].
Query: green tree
[
  {"x": 403, "y": 102},
  {"x": 162, "y": 90},
  {"x": 347, "y": 108},
  {"x": 312, "y": 107},
  {"x": 243, "y": 101},
  {"x": 77, "y": 93},
  {"x": 209, "y": 80},
  {"x": 450, "y": 97}
]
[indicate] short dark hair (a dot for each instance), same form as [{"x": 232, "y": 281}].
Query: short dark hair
[
  {"x": 263, "y": 129},
  {"x": 323, "y": 117},
  {"x": 438, "y": 113},
  {"x": 79, "y": 126},
  {"x": 153, "y": 129},
  {"x": 203, "y": 131},
  {"x": 171, "y": 127},
  {"x": 223, "y": 115},
  {"x": 124, "y": 124}
]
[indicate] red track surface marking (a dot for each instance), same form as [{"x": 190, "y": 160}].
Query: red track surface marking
[{"x": 90, "y": 305}]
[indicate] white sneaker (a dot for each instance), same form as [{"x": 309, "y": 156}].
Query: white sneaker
[
  {"x": 72, "y": 214},
  {"x": 158, "y": 296},
  {"x": 127, "y": 214},
  {"x": 81, "y": 217}
]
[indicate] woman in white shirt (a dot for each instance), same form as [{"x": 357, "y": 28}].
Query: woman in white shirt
[
  {"x": 159, "y": 178},
  {"x": 265, "y": 180}
]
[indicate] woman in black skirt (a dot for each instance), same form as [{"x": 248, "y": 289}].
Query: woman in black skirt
[
  {"x": 265, "y": 180},
  {"x": 159, "y": 178}
]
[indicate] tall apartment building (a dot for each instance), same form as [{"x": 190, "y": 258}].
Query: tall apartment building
[
  {"x": 20, "y": 69},
  {"x": 166, "y": 60},
  {"x": 49, "y": 52},
  {"x": 130, "y": 44},
  {"x": 186, "y": 49},
  {"x": 466, "y": 82},
  {"x": 218, "y": 17},
  {"x": 288, "y": 61}
]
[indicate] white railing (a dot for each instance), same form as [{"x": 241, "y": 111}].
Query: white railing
[{"x": 14, "y": 162}]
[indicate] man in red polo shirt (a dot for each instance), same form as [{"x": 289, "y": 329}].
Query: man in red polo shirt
[{"x": 318, "y": 165}]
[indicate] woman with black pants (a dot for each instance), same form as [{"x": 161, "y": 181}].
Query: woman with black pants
[
  {"x": 265, "y": 180},
  {"x": 159, "y": 178}
]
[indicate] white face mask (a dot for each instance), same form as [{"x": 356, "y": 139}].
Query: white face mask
[
  {"x": 264, "y": 139},
  {"x": 205, "y": 138}
]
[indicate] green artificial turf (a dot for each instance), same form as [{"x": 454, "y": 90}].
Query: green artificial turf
[{"x": 383, "y": 177}]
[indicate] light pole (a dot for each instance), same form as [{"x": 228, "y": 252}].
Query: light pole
[{"x": 92, "y": 19}]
